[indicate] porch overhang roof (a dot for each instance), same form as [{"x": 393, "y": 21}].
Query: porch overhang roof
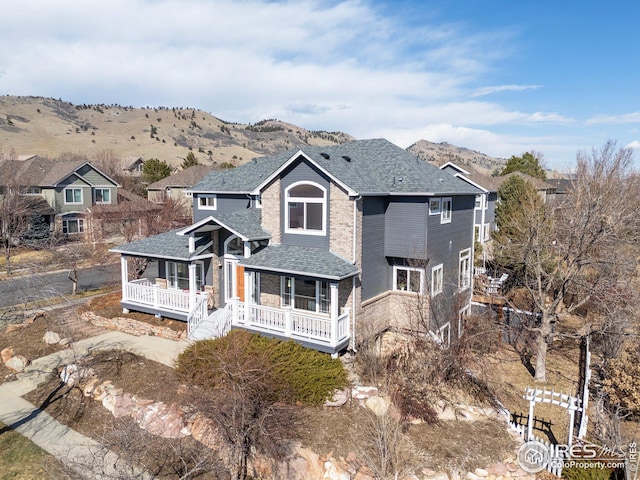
[
  {"x": 246, "y": 224},
  {"x": 304, "y": 261},
  {"x": 168, "y": 245}
]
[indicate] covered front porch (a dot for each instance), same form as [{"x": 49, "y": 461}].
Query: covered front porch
[{"x": 216, "y": 275}]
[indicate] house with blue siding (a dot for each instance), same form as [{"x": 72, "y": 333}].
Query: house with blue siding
[{"x": 319, "y": 245}]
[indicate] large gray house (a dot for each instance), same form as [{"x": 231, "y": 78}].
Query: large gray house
[{"x": 317, "y": 245}]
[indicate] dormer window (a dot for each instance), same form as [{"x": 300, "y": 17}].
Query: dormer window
[{"x": 306, "y": 209}]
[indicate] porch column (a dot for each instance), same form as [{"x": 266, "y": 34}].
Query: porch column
[
  {"x": 247, "y": 294},
  {"x": 192, "y": 285},
  {"x": 335, "y": 313},
  {"x": 124, "y": 272}
]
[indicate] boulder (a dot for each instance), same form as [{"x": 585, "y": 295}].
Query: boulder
[
  {"x": 166, "y": 421},
  {"x": 338, "y": 399},
  {"x": 378, "y": 405},
  {"x": 51, "y": 338},
  {"x": 6, "y": 354},
  {"x": 362, "y": 393},
  {"x": 17, "y": 363},
  {"x": 481, "y": 472}
]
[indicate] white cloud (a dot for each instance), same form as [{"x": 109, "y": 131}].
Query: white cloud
[
  {"x": 549, "y": 117},
  {"x": 635, "y": 145},
  {"x": 503, "y": 88},
  {"x": 615, "y": 119}
]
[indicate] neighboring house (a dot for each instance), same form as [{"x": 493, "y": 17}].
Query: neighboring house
[
  {"x": 70, "y": 188},
  {"x": 133, "y": 166},
  {"x": 485, "y": 204},
  {"x": 317, "y": 245},
  {"x": 131, "y": 216},
  {"x": 176, "y": 185}
]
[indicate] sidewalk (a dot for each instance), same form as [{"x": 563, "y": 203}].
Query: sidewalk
[{"x": 70, "y": 447}]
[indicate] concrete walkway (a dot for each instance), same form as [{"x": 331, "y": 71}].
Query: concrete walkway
[{"x": 70, "y": 447}]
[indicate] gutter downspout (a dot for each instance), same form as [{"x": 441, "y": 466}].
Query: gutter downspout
[{"x": 353, "y": 279}]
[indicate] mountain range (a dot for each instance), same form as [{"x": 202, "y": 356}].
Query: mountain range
[{"x": 53, "y": 127}]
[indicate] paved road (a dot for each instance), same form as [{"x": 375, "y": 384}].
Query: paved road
[{"x": 55, "y": 284}]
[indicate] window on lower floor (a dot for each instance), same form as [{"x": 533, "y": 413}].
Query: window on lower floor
[
  {"x": 436, "y": 280},
  {"x": 445, "y": 335},
  {"x": 301, "y": 294},
  {"x": 73, "y": 226},
  {"x": 178, "y": 275},
  {"x": 486, "y": 232},
  {"x": 408, "y": 279},
  {"x": 464, "y": 269}
]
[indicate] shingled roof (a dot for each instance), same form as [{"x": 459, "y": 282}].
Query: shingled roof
[
  {"x": 365, "y": 167},
  {"x": 289, "y": 259},
  {"x": 183, "y": 179}
]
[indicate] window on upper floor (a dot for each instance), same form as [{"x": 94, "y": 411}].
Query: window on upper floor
[
  {"x": 207, "y": 203},
  {"x": 408, "y": 279},
  {"x": 72, "y": 195},
  {"x": 464, "y": 271},
  {"x": 306, "y": 209},
  {"x": 445, "y": 214},
  {"x": 479, "y": 201},
  {"x": 434, "y": 206},
  {"x": 103, "y": 195},
  {"x": 436, "y": 280}
]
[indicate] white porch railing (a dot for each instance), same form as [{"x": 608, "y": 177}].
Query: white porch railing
[
  {"x": 143, "y": 292},
  {"x": 292, "y": 324},
  {"x": 198, "y": 314}
]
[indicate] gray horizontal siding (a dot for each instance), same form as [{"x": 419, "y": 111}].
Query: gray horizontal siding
[
  {"x": 224, "y": 204},
  {"x": 448, "y": 239},
  {"x": 406, "y": 227},
  {"x": 375, "y": 268}
]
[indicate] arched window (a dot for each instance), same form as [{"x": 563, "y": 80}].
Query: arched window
[{"x": 306, "y": 210}]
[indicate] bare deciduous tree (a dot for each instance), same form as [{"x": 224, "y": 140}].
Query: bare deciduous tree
[{"x": 578, "y": 251}]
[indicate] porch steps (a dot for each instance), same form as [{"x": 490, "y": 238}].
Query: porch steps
[{"x": 216, "y": 324}]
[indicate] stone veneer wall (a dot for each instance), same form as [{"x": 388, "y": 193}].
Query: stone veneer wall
[
  {"x": 271, "y": 210},
  {"x": 389, "y": 309},
  {"x": 270, "y": 290}
]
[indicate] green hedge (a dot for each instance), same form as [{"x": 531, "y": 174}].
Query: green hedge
[{"x": 293, "y": 373}]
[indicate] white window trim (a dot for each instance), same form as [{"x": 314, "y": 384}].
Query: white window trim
[
  {"x": 481, "y": 206},
  {"x": 486, "y": 232},
  {"x": 65, "y": 226},
  {"x": 81, "y": 196},
  {"x": 443, "y": 217},
  {"x": 174, "y": 266},
  {"x": 438, "y": 202},
  {"x": 409, "y": 269},
  {"x": 323, "y": 201},
  {"x": 446, "y": 342},
  {"x": 293, "y": 296},
  {"x": 462, "y": 315},
  {"x": 208, "y": 207},
  {"x": 434, "y": 274},
  {"x": 95, "y": 195},
  {"x": 464, "y": 254}
]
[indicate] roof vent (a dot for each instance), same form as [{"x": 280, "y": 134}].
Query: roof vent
[
  {"x": 346, "y": 157},
  {"x": 325, "y": 155}
]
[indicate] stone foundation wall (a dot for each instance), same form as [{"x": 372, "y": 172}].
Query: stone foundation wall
[{"x": 133, "y": 327}]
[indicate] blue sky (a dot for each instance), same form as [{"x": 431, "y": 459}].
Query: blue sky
[{"x": 500, "y": 77}]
